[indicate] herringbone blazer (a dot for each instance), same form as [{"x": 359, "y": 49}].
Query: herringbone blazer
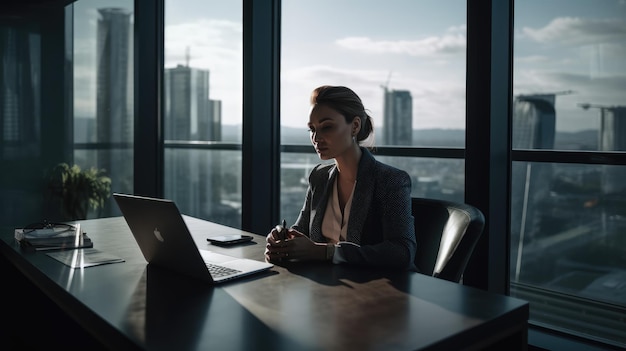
[{"x": 380, "y": 218}]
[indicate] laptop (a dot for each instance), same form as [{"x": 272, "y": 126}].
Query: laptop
[{"x": 165, "y": 241}]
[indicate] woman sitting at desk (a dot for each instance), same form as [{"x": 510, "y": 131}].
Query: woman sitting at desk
[{"x": 357, "y": 210}]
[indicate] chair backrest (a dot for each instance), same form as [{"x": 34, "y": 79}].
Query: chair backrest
[{"x": 446, "y": 234}]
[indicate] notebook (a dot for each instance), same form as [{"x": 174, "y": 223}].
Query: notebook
[{"x": 165, "y": 241}]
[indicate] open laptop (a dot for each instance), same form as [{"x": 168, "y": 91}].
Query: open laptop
[{"x": 165, "y": 241}]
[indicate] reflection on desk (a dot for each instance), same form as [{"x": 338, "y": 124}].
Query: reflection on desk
[{"x": 296, "y": 306}]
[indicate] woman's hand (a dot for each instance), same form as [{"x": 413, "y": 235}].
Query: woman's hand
[{"x": 296, "y": 246}]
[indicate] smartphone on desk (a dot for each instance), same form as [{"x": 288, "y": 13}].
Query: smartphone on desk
[{"x": 230, "y": 239}]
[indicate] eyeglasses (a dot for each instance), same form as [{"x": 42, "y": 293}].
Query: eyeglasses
[{"x": 46, "y": 229}]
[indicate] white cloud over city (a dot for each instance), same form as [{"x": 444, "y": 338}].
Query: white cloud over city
[{"x": 447, "y": 44}]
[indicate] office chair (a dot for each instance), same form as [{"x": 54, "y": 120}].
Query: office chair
[{"x": 446, "y": 234}]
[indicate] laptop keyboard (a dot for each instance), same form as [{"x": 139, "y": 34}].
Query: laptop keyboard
[{"x": 220, "y": 271}]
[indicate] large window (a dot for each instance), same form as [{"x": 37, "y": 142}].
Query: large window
[
  {"x": 66, "y": 97},
  {"x": 568, "y": 195},
  {"x": 405, "y": 59},
  {"x": 203, "y": 108}
]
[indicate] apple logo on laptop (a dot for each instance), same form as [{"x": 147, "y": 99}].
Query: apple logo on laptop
[{"x": 158, "y": 235}]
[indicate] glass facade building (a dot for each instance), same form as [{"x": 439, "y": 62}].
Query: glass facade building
[{"x": 398, "y": 118}]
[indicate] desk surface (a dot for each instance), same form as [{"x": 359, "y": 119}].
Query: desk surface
[{"x": 298, "y": 306}]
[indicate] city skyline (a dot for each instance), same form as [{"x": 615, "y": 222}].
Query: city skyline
[{"x": 577, "y": 47}]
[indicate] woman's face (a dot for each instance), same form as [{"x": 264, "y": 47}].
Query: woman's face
[{"x": 331, "y": 135}]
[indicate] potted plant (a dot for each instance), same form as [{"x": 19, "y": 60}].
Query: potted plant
[{"x": 77, "y": 190}]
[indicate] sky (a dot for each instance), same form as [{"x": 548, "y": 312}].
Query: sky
[{"x": 573, "y": 46}]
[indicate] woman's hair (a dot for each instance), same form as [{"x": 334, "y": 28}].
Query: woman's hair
[{"x": 346, "y": 102}]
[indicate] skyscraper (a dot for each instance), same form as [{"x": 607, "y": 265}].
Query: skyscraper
[
  {"x": 189, "y": 113},
  {"x": 114, "y": 102},
  {"x": 398, "y": 117},
  {"x": 534, "y": 120},
  {"x": 613, "y": 128},
  {"x": 114, "y": 81},
  {"x": 20, "y": 86},
  {"x": 612, "y": 137},
  {"x": 21, "y": 147},
  {"x": 193, "y": 177},
  {"x": 210, "y": 124}
]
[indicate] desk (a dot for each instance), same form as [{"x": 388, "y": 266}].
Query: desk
[{"x": 298, "y": 306}]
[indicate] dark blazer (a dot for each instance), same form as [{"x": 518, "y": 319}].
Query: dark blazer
[{"x": 380, "y": 218}]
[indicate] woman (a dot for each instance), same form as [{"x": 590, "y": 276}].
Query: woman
[{"x": 357, "y": 210}]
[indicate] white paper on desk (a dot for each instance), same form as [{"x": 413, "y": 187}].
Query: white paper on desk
[{"x": 83, "y": 258}]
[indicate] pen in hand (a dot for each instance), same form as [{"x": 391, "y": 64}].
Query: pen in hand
[{"x": 282, "y": 230}]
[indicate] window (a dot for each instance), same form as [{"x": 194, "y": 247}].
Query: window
[
  {"x": 568, "y": 198},
  {"x": 405, "y": 59},
  {"x": 203, "y": 108},
  {"x": 67, "y": 97}
]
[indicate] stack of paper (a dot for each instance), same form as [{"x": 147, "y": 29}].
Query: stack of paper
[
  {"x": 53, "y": 238},
  {"x": 84, "y": 258}
]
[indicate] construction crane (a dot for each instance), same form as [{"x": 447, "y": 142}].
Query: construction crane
[
  {"x": 563, "y": 92},
  {"x": 386, "y": 85},
  {"x": 586, "y": 106},
  {"x": 549, "y": 97}
]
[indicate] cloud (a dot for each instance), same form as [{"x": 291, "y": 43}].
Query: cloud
[
  {"x": 532, "y": 59},
  {"x": 577, "y": 31},
  {"x": 211, "y": 43},
  {"x": 451, "y": 43},
  {"x": 610, "y": 87}
]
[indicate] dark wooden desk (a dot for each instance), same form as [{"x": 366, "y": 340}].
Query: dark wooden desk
[{"x": 293, "y": 307}]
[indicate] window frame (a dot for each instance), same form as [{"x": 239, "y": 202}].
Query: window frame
[{"x": 148, "y": 69}]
